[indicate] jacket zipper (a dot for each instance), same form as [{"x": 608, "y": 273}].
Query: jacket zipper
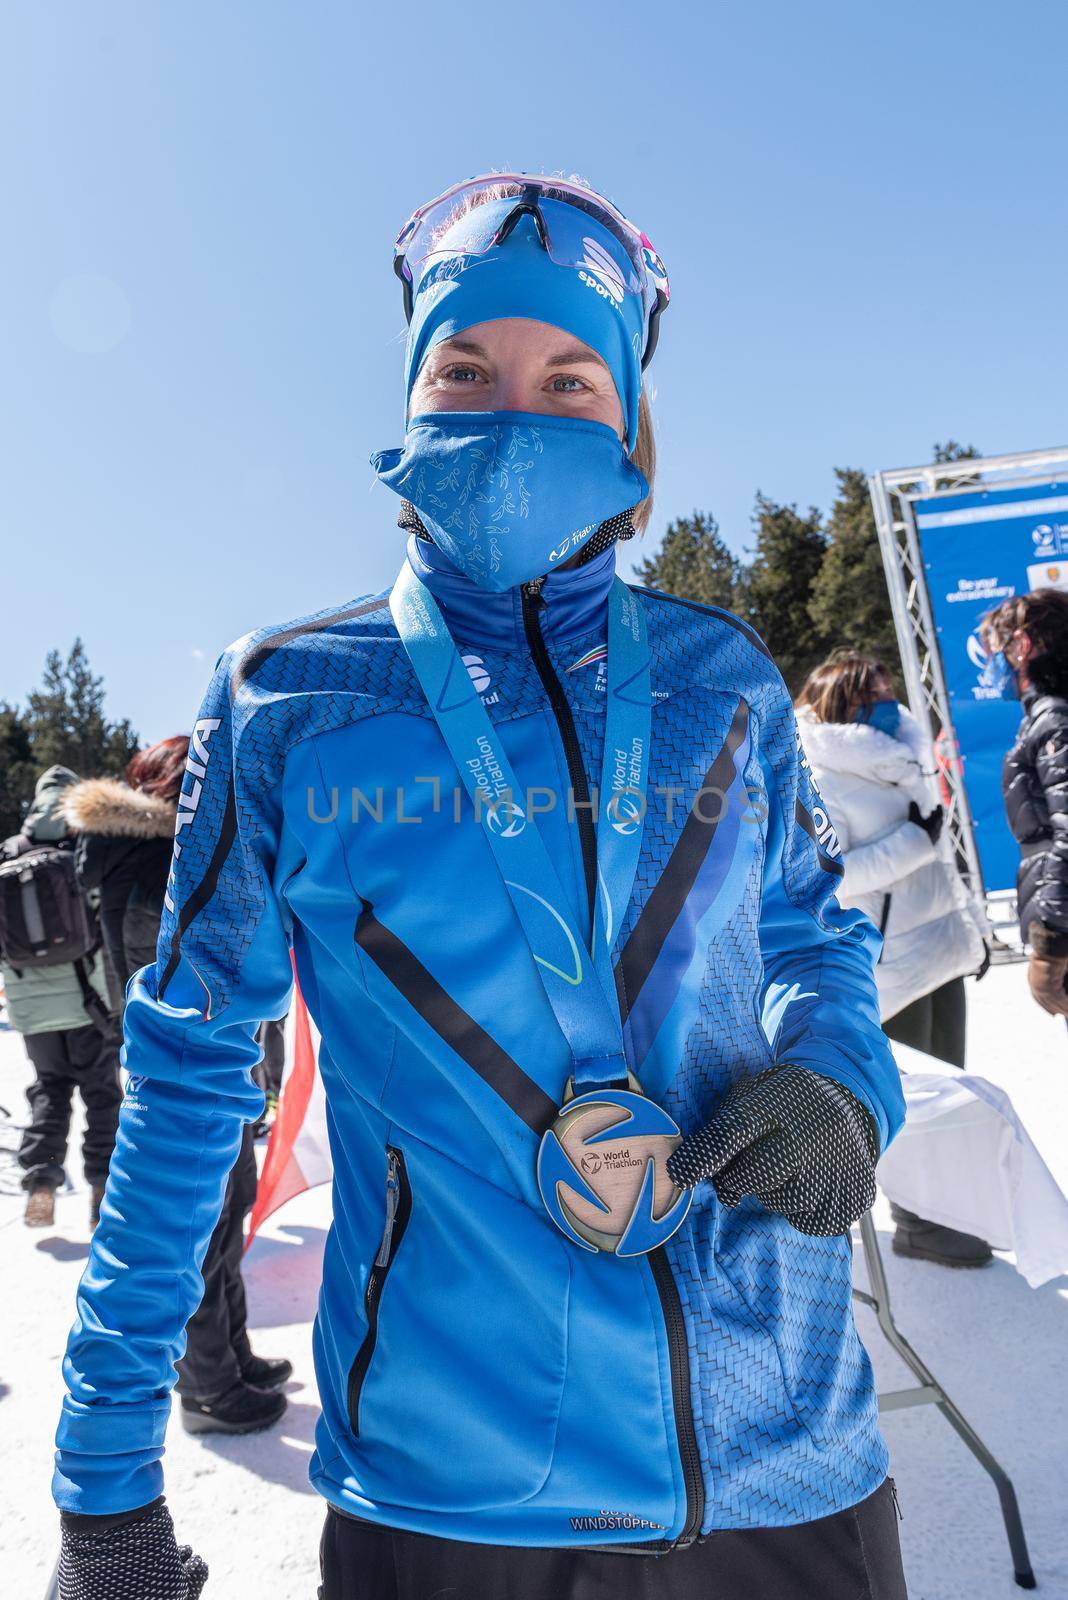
[
  {"x": 398, "y": 1210},
  {"x": 678, "y": 1349},
  {"x": 679, "y": 1355},
  {"x": 533, "y": 604}
]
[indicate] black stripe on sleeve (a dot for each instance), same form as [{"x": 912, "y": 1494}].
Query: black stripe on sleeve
[
  {"x": 804, "y": 820},
  {"x": 669, "y": 894},
  {"x": 244, "y": 669}
]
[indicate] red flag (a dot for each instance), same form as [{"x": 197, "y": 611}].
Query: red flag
[{"x": 298, "y": 1152}]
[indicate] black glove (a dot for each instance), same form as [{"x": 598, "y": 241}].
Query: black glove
[
  {"x": 801, "y": 1143},
  {"x": 130, "y": 1557},
  {"x": 931, "y": 825}
]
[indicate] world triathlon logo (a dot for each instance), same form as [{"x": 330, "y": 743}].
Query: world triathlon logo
[
  {"x": 505, "y": 817},
  {"x": 591, "y": 1165},
  {"x": 625, "y": 813},
  {"x": 976, "y": 654}
]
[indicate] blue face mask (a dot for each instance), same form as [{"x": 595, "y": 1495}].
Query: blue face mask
[
  {"x": 999, "y": 675},
  {"x": 883, "y": 714},
  {"x": 509, "y": 495}
]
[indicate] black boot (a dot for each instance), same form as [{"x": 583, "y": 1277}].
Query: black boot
[
  {"x": 263, "y": 1373},
  {"x": 930, "y": 1241},
  {"x": 242, "y": 1409}
]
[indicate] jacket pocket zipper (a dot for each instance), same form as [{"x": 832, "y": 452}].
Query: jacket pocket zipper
[{"x": 398, "y": 1210}]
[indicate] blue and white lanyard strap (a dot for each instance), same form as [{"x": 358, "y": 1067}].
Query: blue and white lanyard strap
[{"x": 579, "y": 982}]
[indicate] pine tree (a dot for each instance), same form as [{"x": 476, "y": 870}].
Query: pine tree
[
  {"x": 850, "y": 603},
  {"x": 67, "y": 724},
  {"x": 776, "y": 587},
  {"x": 694, "y": 563},
  {"x": 16, "y": 770},
  {"x": 951, "y": 451}
]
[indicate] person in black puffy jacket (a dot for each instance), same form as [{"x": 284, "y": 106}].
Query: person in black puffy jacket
[{"x": 1030, "y": 635}]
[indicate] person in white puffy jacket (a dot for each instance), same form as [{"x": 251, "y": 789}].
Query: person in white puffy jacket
[{"x": 876, "y": 775}]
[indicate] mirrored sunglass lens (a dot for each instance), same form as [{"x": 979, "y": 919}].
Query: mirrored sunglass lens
[
  {"x": 586, "y": 239},
  {"x": 464, "y": 224},
  {"x": 579, "y": 238}
]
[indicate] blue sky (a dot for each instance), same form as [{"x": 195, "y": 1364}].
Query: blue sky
[{"x": 862, "y": 209}]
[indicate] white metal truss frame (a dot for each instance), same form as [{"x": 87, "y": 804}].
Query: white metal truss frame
[{"x": 892, "y": 495}]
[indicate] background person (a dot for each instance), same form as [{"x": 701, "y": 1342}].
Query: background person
[
  {"x": 1027, "y": 638},
  {"x": 498, "y": 1402},
  {"x": 68, "y": 1048},
  {"x": 125, "y": 836},
  {"x": 869, "y": 759}
]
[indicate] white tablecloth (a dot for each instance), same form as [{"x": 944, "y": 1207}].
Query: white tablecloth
[{"x": 965, "y": 1159}]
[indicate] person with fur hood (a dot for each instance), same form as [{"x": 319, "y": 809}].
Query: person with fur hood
[
  {"x": 125, "y": 836},
  {"x": 876, "y": 775},
  {"x": 125, "y": 832}
]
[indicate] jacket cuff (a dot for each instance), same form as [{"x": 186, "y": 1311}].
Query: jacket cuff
[
  {"x": 108, "y": 1456},
  {"x": 1047, "y": 941}
]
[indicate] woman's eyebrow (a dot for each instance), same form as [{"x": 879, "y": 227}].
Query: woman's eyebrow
[
  {"x": 573, "y": 355},
  {"x": 467, "y": 347},
  {"x": 570, "y": 356}
]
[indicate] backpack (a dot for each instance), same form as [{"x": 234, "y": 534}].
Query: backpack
[{"x": 45, "y": 920}]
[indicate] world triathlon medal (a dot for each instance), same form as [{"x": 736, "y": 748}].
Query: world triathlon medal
[{"x": 602, "y": 1172}]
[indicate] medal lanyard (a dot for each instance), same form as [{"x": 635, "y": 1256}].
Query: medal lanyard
[{"x": 578, "y": 981}]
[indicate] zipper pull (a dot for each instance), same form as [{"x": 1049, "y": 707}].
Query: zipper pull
[
  {"x": 532, "y": 590},
  {"x": 897, "y": 1503},
  {"x": 392, "y": 1201}
]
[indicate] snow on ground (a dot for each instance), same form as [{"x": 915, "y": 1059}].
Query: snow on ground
[{"x": 1000, "y": 1349}]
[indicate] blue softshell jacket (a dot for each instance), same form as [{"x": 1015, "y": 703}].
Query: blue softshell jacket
[{"x": 480, "y": 1377}]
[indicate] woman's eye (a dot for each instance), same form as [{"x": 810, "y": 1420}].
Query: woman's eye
[
  {"x": 565, "y": 384},
  {"x": 459, "y": 374}
]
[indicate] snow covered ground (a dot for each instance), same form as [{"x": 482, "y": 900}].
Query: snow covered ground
[{"x": 1000, "y": 1349}]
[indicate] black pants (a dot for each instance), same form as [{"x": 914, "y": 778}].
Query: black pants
[
  {"x": 853, "y": 1555},
  {"x": 272, "y": 1038},
  {"x": 936, "y": 1023},
  {"x": 216, "y": 1336},
  {"x": 67, "y": 1059}
]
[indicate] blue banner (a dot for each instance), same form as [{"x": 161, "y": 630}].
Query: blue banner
[{"x": 978, "y": 549}]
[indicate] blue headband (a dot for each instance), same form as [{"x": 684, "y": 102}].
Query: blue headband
[{"x": 518, "y": 279}]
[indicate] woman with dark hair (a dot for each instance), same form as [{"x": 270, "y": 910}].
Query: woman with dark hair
[
  {"x": 877, "y": 778},
  {"x": 1027, "y": 638},
  {"x": 601, "y": 1052}
]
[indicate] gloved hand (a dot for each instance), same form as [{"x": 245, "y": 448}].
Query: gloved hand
[
  {"x": 931, "y": 824},
  {"x": 131, "y": 1557},
  {"x": 1048, "y": 968},
  {"x": 801, "y": 1143},
  {"x": 1046, "y": 976}
]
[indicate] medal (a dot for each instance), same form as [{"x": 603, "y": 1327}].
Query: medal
[
  {"x": 602, "y": 1166},
  {"x": 602, "y": 1172}
]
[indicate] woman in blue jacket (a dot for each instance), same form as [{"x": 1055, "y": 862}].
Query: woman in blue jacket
[{"x": 602, "y": 1053}]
